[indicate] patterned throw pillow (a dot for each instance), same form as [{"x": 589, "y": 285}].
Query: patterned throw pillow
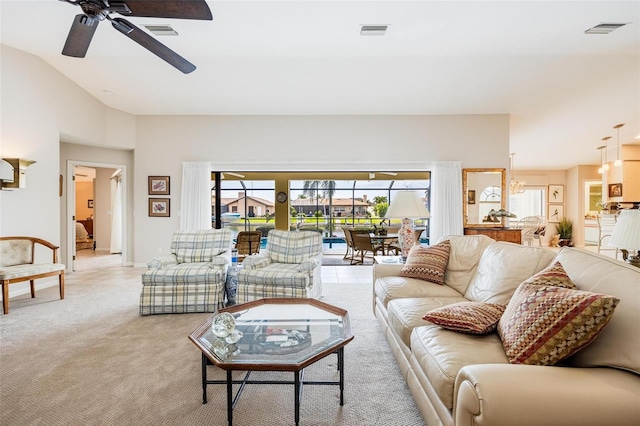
[
  {"x": 544, "y": 324},
  {"x": 467, "y": 317},
  {"x": 427, "y": 263},
  {"x": 554, "y": 275}
]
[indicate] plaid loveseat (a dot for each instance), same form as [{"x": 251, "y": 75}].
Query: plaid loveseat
[
  {"x": 191, "y": 278},
  {"x": 289, "y": 267}
]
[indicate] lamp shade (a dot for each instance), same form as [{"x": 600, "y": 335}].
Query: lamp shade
[
  {"x": 407, "y": 204},
  {"x": 626, "y": 233}
]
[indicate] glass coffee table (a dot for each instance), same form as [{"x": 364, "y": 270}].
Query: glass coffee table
[{"x": 280, "y": 334}]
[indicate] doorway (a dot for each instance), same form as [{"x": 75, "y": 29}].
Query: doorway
[{"x": 96, "y": 222}]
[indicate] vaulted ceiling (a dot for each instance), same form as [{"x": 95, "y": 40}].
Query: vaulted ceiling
[{"x": 564, "y": 89}]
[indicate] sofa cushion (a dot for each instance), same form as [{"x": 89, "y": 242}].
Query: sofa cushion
[
  {"x": 393, "y": 287},
  {"x": 427, "y": 263},
  {"x": 467, "y": 317},
  {"x": 554, "y": 275},
  {"x": 200, "y": 246},
  {"x": 195, "y": 273},
  {"x": 618, "y": 345},
  {"x": 502, "y": 267},
  {"x": 293, "y": 247},
  {"x": 406, "y": 314},
  {"x": 545, "y": 324},
  {"x": 15, "y": 252},
  {"x": 463, "y": 259},
  {"x": 442, "y": 353}
]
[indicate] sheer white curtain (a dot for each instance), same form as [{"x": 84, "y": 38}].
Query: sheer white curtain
[
  {"x": 446, "y": 200},
  {"x": 196, "y": 196},
  {"x": 116, "y": 214}
]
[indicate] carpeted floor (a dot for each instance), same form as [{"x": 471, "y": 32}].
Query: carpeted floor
[{"x": 92, "y": 360}]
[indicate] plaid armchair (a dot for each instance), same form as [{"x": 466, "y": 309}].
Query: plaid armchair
[
  {"x": 192, "y": 278},
  {"x": 289, "y": 267}
]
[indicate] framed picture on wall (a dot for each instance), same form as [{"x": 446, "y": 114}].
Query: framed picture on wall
[
  {"x": 471, "y": 196},
  {"x": 159, "y": 185},
  {"x": 615, "y": 190},
  {"x": 555, "y": 212},
  {"x": 90, "y": 204},
  {"x": 159, "y": 207},
  {"x": 556, "y": 194}
]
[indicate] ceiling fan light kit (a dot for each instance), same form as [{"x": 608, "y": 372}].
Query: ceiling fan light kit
[{"x": 84, "y": 25}]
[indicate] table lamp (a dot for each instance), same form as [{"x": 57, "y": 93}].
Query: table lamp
[
  {"x": 626, "y": 236},
  {"x": 407, "y": 205}
]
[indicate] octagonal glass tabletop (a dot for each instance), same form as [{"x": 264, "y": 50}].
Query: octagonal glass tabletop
[{"x": 277, "y": 334}]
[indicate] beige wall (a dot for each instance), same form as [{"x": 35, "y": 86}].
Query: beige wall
[
  {"x": 74, "y": 126},
  {"x": 84, "y": 193}
]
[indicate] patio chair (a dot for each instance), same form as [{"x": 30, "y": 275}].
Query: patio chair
[
  {"x": 290, "y": 266},
  {"x": 192, "y": 278},
  {"x": 248, "y": 243},
  {"x": 363, "y": 247}
]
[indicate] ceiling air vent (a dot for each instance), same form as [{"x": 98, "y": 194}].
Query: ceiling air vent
[
  {"x": 369, "y": 30},
  {"x": 604, "y": 28},
  {"x": 161, "y": 30}
]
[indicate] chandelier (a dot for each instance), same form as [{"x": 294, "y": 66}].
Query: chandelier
[{"x": 515, "y": 186}]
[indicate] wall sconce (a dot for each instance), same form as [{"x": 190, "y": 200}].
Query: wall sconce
[{"x": 14, "y": 172}]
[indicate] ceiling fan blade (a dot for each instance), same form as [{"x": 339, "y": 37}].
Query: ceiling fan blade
[
  {"x": 179, "y": 9},
  {"x": 80, "y": 36},
  {"x": 152, "y": 45}
]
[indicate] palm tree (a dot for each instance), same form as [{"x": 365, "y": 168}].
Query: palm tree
[{"x": 327, "y": 187}]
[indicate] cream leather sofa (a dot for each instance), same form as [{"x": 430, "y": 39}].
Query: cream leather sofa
[{"x": 463, "y": 379}]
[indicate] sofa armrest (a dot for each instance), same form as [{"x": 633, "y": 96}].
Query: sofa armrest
[
  {"x": 308, "y": 265},
  {"x": 386, "y": 270},
  {"x": 162, "y": 262},
  {"x": 507, "y": 394},
  {"x": 255, "y": 261}
]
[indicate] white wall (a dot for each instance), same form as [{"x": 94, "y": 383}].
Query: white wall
[
  {"x": 34, "y": 93},
  {"x": 301, "y": 143},
  {"x": 39, "y": 106}
]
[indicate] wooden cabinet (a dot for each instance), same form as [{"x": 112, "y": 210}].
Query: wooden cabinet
[{"x": 510, "y": 235}]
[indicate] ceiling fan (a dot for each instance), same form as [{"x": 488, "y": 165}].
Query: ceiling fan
[{"x": 85, "y": 24}]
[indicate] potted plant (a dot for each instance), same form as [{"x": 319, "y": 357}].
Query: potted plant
[{"x": 565, "y": 230}]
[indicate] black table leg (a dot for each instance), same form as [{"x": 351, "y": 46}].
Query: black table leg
[
  {"x": 296, "y": 397},
  {"x": 204, "y": 379},
  {"x": 341, "y": 366},
  {"x": 230, "y": 397}
]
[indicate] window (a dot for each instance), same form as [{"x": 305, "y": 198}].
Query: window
[{"x": 528, "y": 203}]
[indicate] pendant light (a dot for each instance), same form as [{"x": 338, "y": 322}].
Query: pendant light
[
  {"x": 618, "y": 161},
  {"x": 601, "y": 168},
  {"x": 515, "y": 186},
  {"x": 605, "y": 165}
]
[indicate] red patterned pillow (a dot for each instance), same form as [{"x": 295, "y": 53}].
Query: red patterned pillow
[
  {"x": 427, "y": 263},
  {"x": 545, "y": 324},
  {"x": 554, "y": 275},
  {"x": 467, "y": 317}
]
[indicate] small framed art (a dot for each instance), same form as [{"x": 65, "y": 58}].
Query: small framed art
[
  {"x": 555, "y": 213},
  {"x": 615, "y": 190},
  {"x": 90, "y": 204},
  {"x": 556, "y": 194},
  {"x": 159, "y": 185},
  {"x": 471, "y": 196},
  {"x": 159, "y": 207}
]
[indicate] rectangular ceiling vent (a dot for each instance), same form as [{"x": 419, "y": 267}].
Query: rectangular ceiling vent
[
  {"x": 370, "y": 30},
  {"x": 604, "y": 28},
  {"x": 161, "y": 30}
]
